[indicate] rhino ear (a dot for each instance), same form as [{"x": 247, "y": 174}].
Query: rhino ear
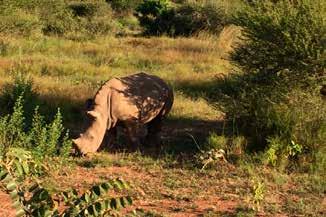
[
  {"x": 94, "y": 114},
  {"x": 89, "y": 104},
  {"x": 76, "y": 140}
]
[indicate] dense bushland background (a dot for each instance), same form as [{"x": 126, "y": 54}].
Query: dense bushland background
[
  {"x": 283, "y": 64},
  {"x": 246, "y": 74}
]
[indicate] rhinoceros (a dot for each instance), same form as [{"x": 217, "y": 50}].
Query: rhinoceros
[{"x": 132, "y": 102}]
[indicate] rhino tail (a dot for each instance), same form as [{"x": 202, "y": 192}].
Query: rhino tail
[{"x": 168, "y": 102}]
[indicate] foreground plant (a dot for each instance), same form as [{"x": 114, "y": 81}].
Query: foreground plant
[
  {"x": 34, "y": 200},
  {"x": 210, "y": 157},
  {"x": 41, "y": 138}
]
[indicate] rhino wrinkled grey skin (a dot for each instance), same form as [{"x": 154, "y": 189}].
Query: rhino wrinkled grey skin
[{"x": 132, "y": 102}]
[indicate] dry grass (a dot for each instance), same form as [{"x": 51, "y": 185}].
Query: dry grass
[
  {"x": 73, "y": 70},
  {"x": 196, "y": 109}
]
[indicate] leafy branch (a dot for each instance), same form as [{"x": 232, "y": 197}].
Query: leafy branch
[{"x": 36, "y": 201}]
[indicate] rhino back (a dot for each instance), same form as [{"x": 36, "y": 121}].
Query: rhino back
[{"x": 139, "y": 96}]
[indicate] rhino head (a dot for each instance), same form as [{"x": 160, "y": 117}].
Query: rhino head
[
  {"x": 90, "y": 140},
  {"x": 98, "y": 111}
]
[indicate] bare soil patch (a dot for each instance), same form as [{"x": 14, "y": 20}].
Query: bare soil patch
[{"x": 5, "y": 205}]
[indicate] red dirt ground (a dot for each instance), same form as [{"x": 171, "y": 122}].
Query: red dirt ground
[{"x": 167, "y": 206}]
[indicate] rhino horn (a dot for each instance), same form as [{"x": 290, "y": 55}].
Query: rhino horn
[{"x": 94, "y": 114}]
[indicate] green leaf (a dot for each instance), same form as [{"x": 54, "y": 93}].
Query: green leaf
[
  {"x": 87, "y": 198},
  {"x": 114, "y": 204},
  {"x": 34, "y": 187},
  {"x": 96, "y": 190},
  {"x": 92, "y": 210},
  {"x": 129, "y": 199},
  {"x": 44, "y": 195},
  {"x": 11, "y": 186},
  {"x": 19, "y": 168},
  {"x": 25, "y": 167},
  {"x": 117, "y": 184},
  {"x": 120, "y": 184},
  {"x": 94, "y": 196},
  {"x": 7, "y": 178},
  {"x": 40, "y": 195},
  {"x": 104, "y": 187},
  {"x": 97, "y": 207},
  {"x": 16, "y": 204},
  {"x": 105, "y": 205},
  {"x": 74, "y": 193},
  {"x": 125, "y": 201},
  {"x": 65, "y": 196},
  {"x": 14, "y": 194},
  {"x": 48, "y": 213},
  {"x": 20, "y": 212},
  {"x": 3, "y": 174}
]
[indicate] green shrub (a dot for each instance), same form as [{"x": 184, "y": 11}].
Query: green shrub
[
  {"x": 275, "y": 118},
  {"x": 18, "y": 22},
  {"x": 193, "y": 18},
  {"x": 43, "y": 140},
  {"x": 258, "y": 189},
  {"x": 22, "y": 85},
  {"x": 275, "y": 101},
  {"x": 124, "y": 6},
  {"x": 283, "y": 35},
  {"x": 215, "y": 141},
  {"x": 159, "y": 17},
  {"x": 149, "y": 14},
  {"x": 13, "y": 127},
  {"x": 25, "y": 17},
  {"x": 46, "y": 138},
  {"x": 99, "y": 26},
  {"x": 302, "y": 133},
  {"x": 57, "y": 18},
  {"x": 71, "y": 19},
  {"x": 92, "y": 17},
  {"x": 129, "y": 22},
  {"x": 83, "y": 9},
  {"x": 90, "y": 9},
  {"x": 28, "y": 5}
]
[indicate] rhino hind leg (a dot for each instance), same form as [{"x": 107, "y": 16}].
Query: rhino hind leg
[
  {"x": 155, "y": 126},
  {"x": 153, "y": 131}
]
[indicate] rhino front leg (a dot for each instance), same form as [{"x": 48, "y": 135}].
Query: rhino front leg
[{"x": 109, "y": 139}]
